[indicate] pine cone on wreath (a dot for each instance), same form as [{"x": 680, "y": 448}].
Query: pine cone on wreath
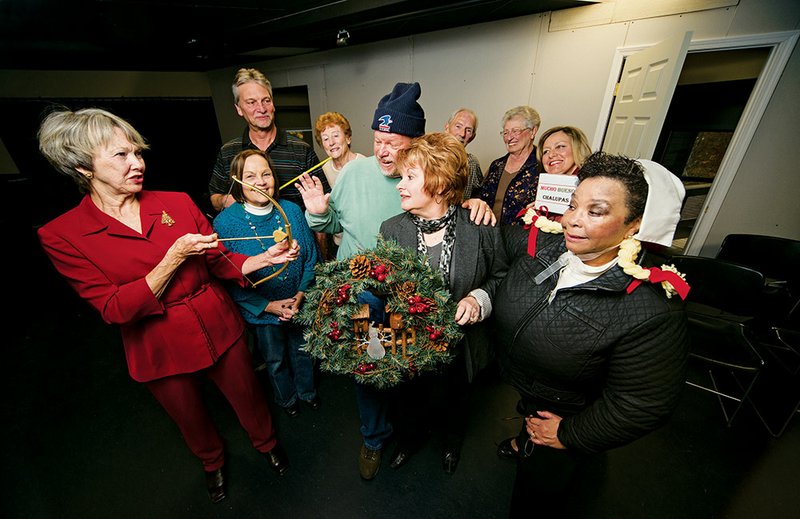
[
  {"x": 405, "y": 290},
  {"x": 422, "y": 305},
  {"x": 432, "y": 306},
  {"x": 325, "y": 306},
  {"x": 360, "y": 267},
  {"x": 439, "y": 346}
]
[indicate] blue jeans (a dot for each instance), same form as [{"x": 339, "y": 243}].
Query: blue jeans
[
  {"x": 373, "y": 410},
  {"x": 291, "y": 370},
  {"x": 373, "y": 403}
]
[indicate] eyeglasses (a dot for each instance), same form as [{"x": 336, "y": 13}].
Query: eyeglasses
[{"x": 514, "y": 132}]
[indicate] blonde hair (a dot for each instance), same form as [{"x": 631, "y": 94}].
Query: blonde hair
[
  {"x": 69, "y": 140},
  {"x": 443, "y": 159},
  {"x": 580, "y": 144},
  {"x": 249, "y": 75}
]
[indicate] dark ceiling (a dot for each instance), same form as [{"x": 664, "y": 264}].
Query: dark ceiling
[{"x": 199, "y": 35}]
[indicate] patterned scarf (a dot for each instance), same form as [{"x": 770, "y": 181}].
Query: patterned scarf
[{"x": 431, "y": 226}]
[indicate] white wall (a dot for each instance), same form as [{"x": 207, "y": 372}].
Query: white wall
[
  {"x": 460, "y": 67},
  {"x": 494, "y": 66},
  {"x": 563, "y": 74}
]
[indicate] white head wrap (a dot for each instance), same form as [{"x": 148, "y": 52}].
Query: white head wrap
[{"x": 662, "y": 210}]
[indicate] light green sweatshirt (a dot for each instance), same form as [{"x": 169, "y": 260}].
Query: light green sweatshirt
[{"x": 362, "y": 198}]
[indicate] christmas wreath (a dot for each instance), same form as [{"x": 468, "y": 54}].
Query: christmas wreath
[{"x": 421, "y": 330}]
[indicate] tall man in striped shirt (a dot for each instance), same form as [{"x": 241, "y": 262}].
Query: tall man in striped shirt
[{"x": 290, "y": 156}]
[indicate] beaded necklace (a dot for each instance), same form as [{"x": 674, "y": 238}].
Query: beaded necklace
[{"x": 252, "y": 225}]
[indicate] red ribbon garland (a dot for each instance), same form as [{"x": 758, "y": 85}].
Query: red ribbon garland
[
  {"x": 534, "y": 232},
  {"x": 657, "y": 276}
]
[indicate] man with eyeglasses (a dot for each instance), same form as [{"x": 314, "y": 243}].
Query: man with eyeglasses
[
  {"x": 289, "y": 155},
  {"x": 510, "y": 183}
]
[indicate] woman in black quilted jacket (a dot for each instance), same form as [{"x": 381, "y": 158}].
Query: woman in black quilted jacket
[{"x": 588, "y": 336}]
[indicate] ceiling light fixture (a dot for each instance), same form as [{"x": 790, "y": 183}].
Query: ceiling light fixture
[{"x": 342, "y": 38}]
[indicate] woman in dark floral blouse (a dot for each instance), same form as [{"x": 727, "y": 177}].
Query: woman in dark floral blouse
[{"x": 510, "y": 183}]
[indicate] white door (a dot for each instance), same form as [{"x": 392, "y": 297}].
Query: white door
[{"x": 643, "y": 96}]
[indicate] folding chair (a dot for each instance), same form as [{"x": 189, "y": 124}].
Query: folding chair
[
  {"x": 720, "y": 309},
  {"x": 778, "y": 259}
]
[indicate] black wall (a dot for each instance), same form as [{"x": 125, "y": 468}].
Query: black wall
[
  {"x": 184, "y": 140},
  {"x": 182, "y": 133}
]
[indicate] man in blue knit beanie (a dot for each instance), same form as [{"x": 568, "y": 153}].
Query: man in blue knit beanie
[
  {"x": 399, "y": 112},
  {"x": 365, "y": 194},
  {"x": 368, "y": 193}
]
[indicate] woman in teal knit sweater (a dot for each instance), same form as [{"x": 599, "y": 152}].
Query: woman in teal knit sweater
[{"x": 270, "y": 306}]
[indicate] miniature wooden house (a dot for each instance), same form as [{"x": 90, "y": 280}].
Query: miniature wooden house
[{"x": 399, "y": 334}]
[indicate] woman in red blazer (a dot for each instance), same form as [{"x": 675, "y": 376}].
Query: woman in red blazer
[{"x": 149, "y": 262}]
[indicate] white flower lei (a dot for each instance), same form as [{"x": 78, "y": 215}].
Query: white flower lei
[
  {"x": 541, "y": 222},
  {"x": 628, "y": 251}
]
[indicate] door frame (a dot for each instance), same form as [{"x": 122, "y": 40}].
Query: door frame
[{"x": 782, "y": 44}]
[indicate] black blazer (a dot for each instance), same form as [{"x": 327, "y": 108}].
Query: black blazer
[{"x": 477, "y": 262}]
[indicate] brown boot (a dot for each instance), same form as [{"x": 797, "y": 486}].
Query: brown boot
[{"x": 369, "y": 461}]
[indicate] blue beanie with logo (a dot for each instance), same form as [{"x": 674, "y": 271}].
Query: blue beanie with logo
[{"x": 399, "y": 112}]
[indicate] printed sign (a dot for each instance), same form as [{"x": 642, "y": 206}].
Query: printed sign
[{"x": 554, "y": 192}]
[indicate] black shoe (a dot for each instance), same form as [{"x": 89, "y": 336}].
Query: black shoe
[
  {"x": 400, "y": 458},
  {"x": 450, "y": 459},
  {"x": 506, "y": 450},
  {"x": 292, "y": 411},
  {"x": 277, "y": 460},
  {"x": 215, "y": 484},
  {"x": 314, "y": 403}
]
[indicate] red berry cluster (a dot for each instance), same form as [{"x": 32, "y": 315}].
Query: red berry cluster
[
  {"x": 364, "y": 368},
  {"x": 344, "y": 294},
  {"x": 379, "y": 272},
  {"x": 433, "y": 333},
  {"x": 335, "y": 332},
  {"x": 418, "y": 305}
]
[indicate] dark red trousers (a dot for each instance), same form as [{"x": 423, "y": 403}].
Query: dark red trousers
[{"x": 181, "y": 396}]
